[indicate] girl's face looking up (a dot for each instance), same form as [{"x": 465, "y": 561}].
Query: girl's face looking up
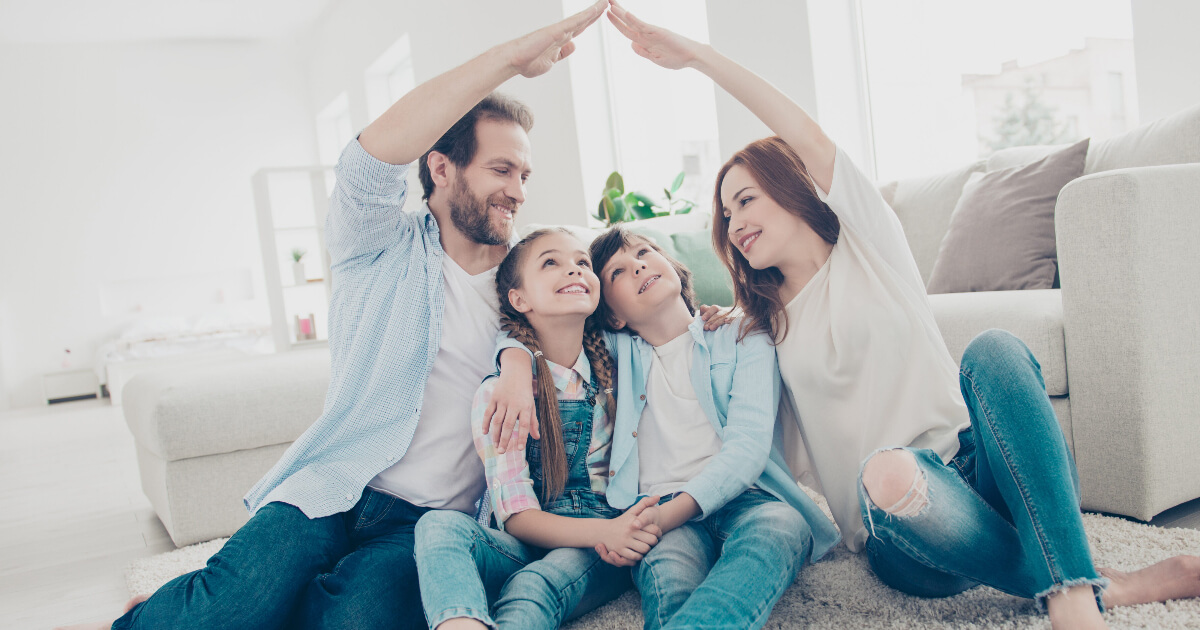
[
  {"x": 638, "y": 281},
  {"x": 556, "y": 279}
]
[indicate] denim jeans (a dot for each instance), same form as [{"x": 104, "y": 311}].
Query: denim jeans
[
  {"x": 283, "y": 569},
  {"x": 1005, "y": 511},
  {"x": 726, "y": 571},
  {"x": 464, "y": 567}
]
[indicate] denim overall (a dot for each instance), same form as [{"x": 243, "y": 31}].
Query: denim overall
[
  {"x": 488, "y": 575},
  {"x": 577, "y": 500}
]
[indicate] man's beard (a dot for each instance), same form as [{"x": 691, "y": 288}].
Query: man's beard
[{"x": 470, "y": 215}]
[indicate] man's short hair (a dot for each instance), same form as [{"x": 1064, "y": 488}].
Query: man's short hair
[{"x": 460, "y": 142}]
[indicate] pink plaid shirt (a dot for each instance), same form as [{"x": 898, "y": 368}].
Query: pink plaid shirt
[{"x": 508, "y": 474}]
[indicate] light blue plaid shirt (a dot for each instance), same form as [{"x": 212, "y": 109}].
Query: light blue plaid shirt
[{"x": 385, "y": 328}]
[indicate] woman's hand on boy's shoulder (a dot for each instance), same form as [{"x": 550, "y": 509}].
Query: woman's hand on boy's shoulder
[{"x": 717, "y": 316}]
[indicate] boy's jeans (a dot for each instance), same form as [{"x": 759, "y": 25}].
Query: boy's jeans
[
  {"x": 531, "y": 588},
  {"x": 726, "y": 571}
]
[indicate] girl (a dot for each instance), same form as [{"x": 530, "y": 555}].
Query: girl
[
  {"x": 550, "y": 495},
  {"x": 696, "y": 424},
  {"x": 955, "y": 488}
]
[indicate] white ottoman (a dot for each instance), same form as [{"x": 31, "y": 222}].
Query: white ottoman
[{"x": 206, "y": 434}]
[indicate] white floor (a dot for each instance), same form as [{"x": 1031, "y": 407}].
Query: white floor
[{"x": 72, "y": 515}]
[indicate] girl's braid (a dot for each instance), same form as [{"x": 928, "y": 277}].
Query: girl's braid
[
  {"x": 554, "y": 459},
  {"x": 518, "y": 328},
  {"x": 602, "y": 365}
]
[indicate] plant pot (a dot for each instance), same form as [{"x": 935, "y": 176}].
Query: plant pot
[{"x": 298, "y": 273}]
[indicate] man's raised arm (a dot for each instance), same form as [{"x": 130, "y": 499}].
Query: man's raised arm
[{"x": 411, "y": 126}]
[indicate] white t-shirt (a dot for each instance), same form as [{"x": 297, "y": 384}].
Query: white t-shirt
[
  {"x": 441, "y": 469},
  {"x": 863, "y": 361},
  {"x": 675, "y": 438}
]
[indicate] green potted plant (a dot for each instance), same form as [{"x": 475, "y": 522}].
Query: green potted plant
[
  {"x": 618, "y": 206},
  {"x": 298, "y": 274}
]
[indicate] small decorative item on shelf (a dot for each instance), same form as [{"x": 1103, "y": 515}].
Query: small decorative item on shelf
[
  {"x": 297, "y": 265},
  {"x": 306, "y": 328}
]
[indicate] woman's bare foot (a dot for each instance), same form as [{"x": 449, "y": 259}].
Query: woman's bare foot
[
  {"x": 1075, "y": 609},
  {"x": 1173, "y": 578}
]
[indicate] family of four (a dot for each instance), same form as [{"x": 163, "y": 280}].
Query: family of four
[{"x": 618, "y": 437}]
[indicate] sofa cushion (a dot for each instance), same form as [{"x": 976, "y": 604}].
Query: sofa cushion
[
  {"x": 1001, "y": 235},
  {"x": 1171, "y": 140},
  {"x": 1035, "y": 317},
  {"x": 1020, "y": 156},
  {"x": 186, "y": 412},
  {"x": 924, "y": 206}
]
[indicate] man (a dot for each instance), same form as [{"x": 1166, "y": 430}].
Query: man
[{"x": 413, "y": 324}]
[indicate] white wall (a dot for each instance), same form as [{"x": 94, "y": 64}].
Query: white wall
[
  {"x": 840, "y": 80},
  {"x": 354, "y": 33},
  {"x": 128, "y": 161},
  {"x": 1166, "y": 54},
  {"x": 770, "y": 37}
]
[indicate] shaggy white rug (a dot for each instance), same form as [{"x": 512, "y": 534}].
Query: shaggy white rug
[{"x": 841, "y": 593}]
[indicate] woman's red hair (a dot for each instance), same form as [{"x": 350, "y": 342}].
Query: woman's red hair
[{"x": 783, "y": 177}]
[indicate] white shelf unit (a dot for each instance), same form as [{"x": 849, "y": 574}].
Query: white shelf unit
[{"x": 291, "y": 204}]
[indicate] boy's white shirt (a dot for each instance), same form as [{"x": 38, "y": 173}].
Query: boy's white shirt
[{"x": 675, "y": 438}]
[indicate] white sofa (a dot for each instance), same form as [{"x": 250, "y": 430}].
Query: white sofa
[{"x": 1118, "y": 344}]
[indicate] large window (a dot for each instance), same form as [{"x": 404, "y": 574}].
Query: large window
[
  {"x": 647, "y": 122},
  {"x": 389, "y": 77},
  {"x": 334, "y": 129},
  {"x": 953, "y": 81}
]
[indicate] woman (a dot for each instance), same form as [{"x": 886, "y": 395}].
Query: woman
[{"x": 944, "y": 489}]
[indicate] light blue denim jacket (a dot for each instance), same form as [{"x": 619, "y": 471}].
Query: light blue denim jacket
[{"x": 738, "y": 386}]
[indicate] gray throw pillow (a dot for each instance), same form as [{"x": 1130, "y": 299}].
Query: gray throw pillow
[{"x": 1001, "y": 235}]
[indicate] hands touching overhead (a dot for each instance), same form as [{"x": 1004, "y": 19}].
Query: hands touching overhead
[
  {"x": 667, "y": 49},
  {"x": 534, "y": 54}
]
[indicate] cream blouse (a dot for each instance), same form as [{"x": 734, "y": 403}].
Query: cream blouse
[{"x": 863, "y": 361}]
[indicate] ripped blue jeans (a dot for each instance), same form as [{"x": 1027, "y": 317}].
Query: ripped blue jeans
[{"x": 1005, "y": 511}]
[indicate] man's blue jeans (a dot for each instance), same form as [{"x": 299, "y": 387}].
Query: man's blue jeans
[
  {"x": 1005, "y": 511},
  {"x": 283, "y": 569},
  {"x": 726, "y": 571},
  {"x": 465, "y": 566}
]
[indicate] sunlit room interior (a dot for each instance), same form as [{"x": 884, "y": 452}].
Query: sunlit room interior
[{"x": 165, "y": 284}]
